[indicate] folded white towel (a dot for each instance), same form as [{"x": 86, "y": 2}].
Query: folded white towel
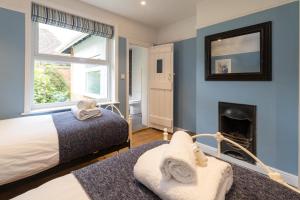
[
  {"x": 213, "y": 181},
  {"x": 178, "y": 160},
  {"x": 86, "y": 114},
  {"x": 86, "y": 104}
]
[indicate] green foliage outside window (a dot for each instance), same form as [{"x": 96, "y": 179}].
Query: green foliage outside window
[{"x": 49, "y": 85}]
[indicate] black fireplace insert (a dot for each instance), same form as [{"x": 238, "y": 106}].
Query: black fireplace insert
[{"x": 238, "y": 123}]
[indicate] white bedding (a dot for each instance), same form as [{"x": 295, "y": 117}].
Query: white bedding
[
  {"x": 28, "y": 146},
  {"x": 64, "y": 188}
]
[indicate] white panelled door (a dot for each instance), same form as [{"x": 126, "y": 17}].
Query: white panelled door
[{"x": 161, "y": 87}]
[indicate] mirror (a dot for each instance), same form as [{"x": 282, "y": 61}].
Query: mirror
[{"x": 241, "y": 54}]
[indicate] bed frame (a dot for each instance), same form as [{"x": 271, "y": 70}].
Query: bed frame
[
  {"x": 113, "y": 108},
  {"x": 275, "y": 176},
  {"x": 47, "y": 175}
]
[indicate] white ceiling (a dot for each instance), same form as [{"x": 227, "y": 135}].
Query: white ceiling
[{"x": 157, "y": 13}]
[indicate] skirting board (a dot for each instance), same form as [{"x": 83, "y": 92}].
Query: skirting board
[
  {"x": 289, "y": 178},
  {"x": 179, "y": 129}
]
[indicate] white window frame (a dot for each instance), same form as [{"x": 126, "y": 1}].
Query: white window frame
[{"x": 65, "y": 59}]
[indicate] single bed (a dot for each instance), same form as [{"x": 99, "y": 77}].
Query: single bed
[
  {"x": 112, "y": 179},
  {"x": 33, "y": 144}
]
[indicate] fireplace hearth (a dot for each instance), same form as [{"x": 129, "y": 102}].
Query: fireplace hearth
[{"x": 238, "y": 123}]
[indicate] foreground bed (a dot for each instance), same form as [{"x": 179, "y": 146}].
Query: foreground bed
[
  {"x": 30, "y": 145},
  {"x": 113, "y": 179}
]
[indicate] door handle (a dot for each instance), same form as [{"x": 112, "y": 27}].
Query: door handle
[{"x": 170, "y": 77}]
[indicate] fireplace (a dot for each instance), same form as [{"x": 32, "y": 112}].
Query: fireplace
[{"x": 238, "y": 123}]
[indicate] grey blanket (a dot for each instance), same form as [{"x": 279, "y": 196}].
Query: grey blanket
[
  {"x": 80, "y": 138},
  {"x": 113, "y": 179}
]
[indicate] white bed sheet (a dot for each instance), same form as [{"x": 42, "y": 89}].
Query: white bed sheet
[
  {"x": 64, "y": 188},
  {"x": 28, "y": 146}
]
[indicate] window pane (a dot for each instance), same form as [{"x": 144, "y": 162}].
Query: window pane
[
  {"x": 67, "y": 82},
  {"x": 64, "y": 42},
  {"x": 93, "y": 82},
  {"x": 159, "y": 66}
]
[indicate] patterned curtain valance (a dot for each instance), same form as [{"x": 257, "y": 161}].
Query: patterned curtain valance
[{"x": 54, "y": 17}]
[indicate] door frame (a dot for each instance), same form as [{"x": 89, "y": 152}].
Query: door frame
[{"x": 132, "y": 42}]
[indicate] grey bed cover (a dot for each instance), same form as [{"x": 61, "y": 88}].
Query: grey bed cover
[
  {"x": 79, "y": 138},
  {"x": 113, "y": 179}
]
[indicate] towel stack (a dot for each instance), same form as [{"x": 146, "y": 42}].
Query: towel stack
[
  {"x": 86, "y": 109},
  {"x": 178, "y": 160},
  {"x": 181, "y": 171}
]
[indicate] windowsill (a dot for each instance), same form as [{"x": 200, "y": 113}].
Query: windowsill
[{"x": 59, "y": 109}]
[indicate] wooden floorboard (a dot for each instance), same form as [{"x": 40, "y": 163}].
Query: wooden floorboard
[{"x": 139, "y": 138}]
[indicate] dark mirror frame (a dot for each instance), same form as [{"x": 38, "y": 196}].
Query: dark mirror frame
[{"x": 265, "y": 74}]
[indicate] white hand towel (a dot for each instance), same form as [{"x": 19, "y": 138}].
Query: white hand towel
[
  {"x": 178, "y": 160},
  {"x": 86, "y": 114},
  {"x": 86, "y": 104},
  {"x": 213, "y": 181}
]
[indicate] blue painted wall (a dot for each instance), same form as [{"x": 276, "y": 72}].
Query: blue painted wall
[
  {"x": 12, "y": 56},
  {"x": 244, "y": 62},
  {"x": 184, "y": 84},
  {"x": 277, "y": 100},
  {"x": 122, "y": 70}
]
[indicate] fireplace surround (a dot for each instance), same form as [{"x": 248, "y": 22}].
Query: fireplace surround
[{"x": 238, "y": 123}]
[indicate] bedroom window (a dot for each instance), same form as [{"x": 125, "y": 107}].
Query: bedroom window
[
  {"x": 72, "y": 59},
  {"x": 69, "y": 66}
]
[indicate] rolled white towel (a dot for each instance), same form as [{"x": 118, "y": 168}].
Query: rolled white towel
[
  {"x": 178, "y": 160},
  {"x": 86, "y": 114},
  {"x": 213, "y": 181},
  {"x": 86, "y": 104}
]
